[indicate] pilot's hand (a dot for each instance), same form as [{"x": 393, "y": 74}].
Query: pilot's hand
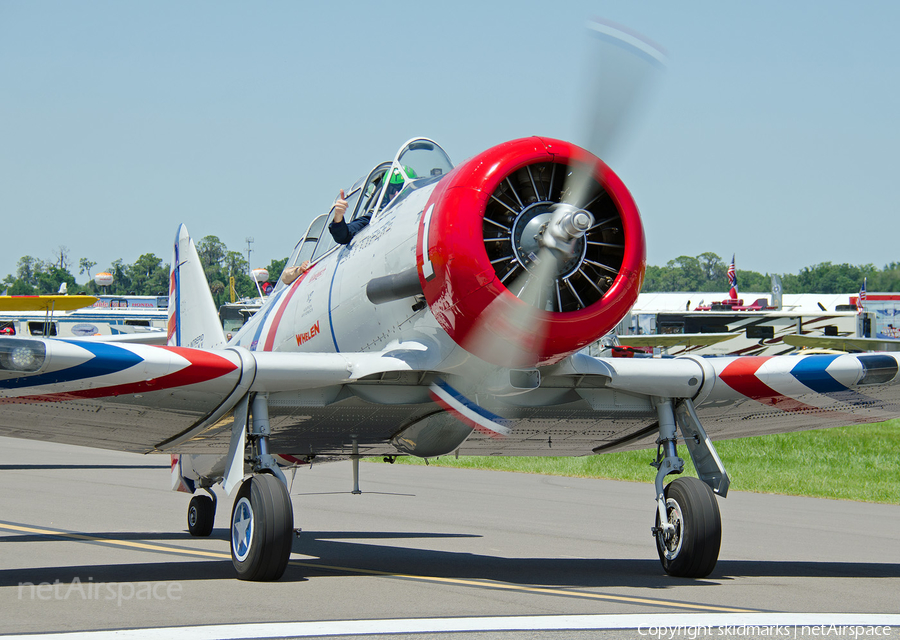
[
  {"x": 340, "y": 207},
  {"x": 304, "y": 266}
]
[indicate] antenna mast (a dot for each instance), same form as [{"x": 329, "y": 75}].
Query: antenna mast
[{"x": 249, "y": 240}]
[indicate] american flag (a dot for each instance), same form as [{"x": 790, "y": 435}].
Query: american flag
[
  {"x": 732, "y": 280},
  {"x": 861, "y": 303}
]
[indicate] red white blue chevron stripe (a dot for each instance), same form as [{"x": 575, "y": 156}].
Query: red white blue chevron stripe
[
  {"x": 802, "y": 383},
  {"x": 467, "y": 411},
  {"x": 76, "y": 369}
]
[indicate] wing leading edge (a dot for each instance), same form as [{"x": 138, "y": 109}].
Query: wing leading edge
[
  {"x": 318, "y": 403},
  {"x": 151, "y": 398},
  {"x": 753, "y": 395}
]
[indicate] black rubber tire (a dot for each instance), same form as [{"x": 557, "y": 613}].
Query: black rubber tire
[
  {"x": 268, "y": 505},
  {"x": 201, "y": 516},
  {"x": 699, "y": 530}
]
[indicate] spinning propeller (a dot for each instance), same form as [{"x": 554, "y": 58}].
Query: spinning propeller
[{"x": 552, "y": 252}]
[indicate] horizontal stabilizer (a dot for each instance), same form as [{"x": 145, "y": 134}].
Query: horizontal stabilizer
[
  {"x": 142, "y": 337},
  {"x": 675, "y": 339},
  {"x": 842, "y": 344},
  {"x": 45, "y": 303}
]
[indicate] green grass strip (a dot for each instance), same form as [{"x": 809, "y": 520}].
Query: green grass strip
[{"x": 860, "y": 462}]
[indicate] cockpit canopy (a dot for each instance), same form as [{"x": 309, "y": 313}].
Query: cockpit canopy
[{"x": 418, "y": 163}]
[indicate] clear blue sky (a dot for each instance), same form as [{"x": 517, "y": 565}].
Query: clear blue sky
[{"x": 773, "y": 135}]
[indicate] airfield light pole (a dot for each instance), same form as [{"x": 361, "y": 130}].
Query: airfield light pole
[{"x": 249, "y": 240}]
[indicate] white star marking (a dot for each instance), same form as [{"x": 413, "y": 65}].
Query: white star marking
[{"x": 241, "y": 525}]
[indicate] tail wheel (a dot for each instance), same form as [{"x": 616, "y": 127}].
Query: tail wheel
[
  {"x": 201, "y": 516},
  {"x": 693, "y": 549},
  {"x": 262, "y": 525}
]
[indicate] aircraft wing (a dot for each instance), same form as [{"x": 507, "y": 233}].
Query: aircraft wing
[
  {"x": 319, "y": 403},
  {"x": 147, "y": 398},
  {"x": 675, "y": 339},
  {"x": 841, "y": 343},
  {"x": 137, "y": 337},
  {"x": 45, "y": 303},
  {"x": 609, "y": 404},
  {"x": 144, "y": 398},
  {"x": 746, "y": 396}
]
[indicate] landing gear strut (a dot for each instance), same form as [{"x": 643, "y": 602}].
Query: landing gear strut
[
  {"x": 262, "y": 519},
  {"x": 688, "y": 527}
]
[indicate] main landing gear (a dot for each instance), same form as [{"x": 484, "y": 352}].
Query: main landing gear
[
  {"x": 688, "y": 528},
  {"x": 262, "y": 519},
  {"x": 262, "y": 523},
  {"x": 690, "y": 547}
]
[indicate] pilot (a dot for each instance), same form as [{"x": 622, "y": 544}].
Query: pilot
[
  {"x": 292, "y": 273},
  {"x": 396, "y": 183},
  {"x": 342, "y": 231}
]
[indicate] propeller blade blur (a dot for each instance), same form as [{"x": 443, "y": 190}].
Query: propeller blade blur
[
  {"x": 621, "y": 68},
  {"x": 511, "y": 335}
]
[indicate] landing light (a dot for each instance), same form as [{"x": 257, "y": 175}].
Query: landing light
[{"x": 22, "y": 355}]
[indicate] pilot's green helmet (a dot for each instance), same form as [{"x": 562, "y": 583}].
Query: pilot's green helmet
[{"x": 397, "y": 177}]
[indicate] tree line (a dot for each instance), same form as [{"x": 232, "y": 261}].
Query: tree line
[
  {"x": 146, "y": 276},
  {"x": 149, "y": 275},
  {"x": 708, "y": 272}
]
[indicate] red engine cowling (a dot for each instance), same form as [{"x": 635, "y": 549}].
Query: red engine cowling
[{"x": 475, "y": 240}]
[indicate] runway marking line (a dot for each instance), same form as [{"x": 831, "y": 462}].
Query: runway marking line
[
  {"x": 540, "y": 590},
  {"x": 387, "y": 574},
  {"x": 109, "y": 541}
]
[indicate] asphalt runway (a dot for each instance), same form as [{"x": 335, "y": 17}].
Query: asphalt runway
[{"x": 434, "y": 551}]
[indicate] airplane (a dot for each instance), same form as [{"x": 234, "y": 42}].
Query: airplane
[
  {"x": 46, "y": 303},
  {"x": 455, "y": 321},
  {"x": 850, "y": 343},
  {"x": 767, "y": 327},
  {"x": 414, "y": 339},
  {"x": 100, "y": 318}
]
